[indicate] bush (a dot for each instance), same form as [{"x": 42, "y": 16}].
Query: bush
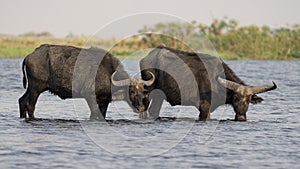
[{"x": 229, "y": 40}]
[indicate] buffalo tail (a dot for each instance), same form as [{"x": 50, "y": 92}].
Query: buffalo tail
[{"x": 24, "y": 75}]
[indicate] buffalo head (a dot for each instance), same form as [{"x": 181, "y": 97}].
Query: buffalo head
[
  {"x": 243, "y": 95},
  {"x": 138, "y": 92}
]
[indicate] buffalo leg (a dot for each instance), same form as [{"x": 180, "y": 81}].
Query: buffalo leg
[
  {"x": 103, "y": 109},
  {"x": 157, "y": 98},
  {"x": 33, "y": 96},
  {"x": 23, "y": 101},
  {"x": 28, "y": 101},
  {"x": 154, "y": 108},
  {"x": 95, "y": 111},
  {"x": 205, "y": 109}
]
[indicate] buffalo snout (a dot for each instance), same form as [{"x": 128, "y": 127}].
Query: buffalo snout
[{"x": 141, "y": 109}]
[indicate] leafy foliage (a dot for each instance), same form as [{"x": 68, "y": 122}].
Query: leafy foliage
[{"x": 233, "y": 42}]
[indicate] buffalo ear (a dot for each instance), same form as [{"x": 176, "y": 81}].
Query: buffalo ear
[{"x": 255, "y": 99}]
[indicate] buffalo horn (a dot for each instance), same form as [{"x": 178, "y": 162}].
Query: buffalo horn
[
  {"x": 245, "y": 90},
  {"x": 119, "y": 83},
  {"x": 151, "y": 81},
  {"x": 262, "y": 89}
]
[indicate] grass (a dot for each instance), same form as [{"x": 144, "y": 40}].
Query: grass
[{"x": 19, "y": 47}]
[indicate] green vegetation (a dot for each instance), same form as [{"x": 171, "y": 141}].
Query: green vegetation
[
  {"x": 15, "y": 47},
  {"x": 230, "y": 41}
]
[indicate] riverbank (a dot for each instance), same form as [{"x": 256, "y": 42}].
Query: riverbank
[{"x": 19, "y": 47}]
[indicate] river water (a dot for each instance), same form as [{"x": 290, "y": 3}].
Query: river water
[{"x": 63, "y": 137}]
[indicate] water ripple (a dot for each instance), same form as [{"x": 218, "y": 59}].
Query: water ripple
[{"x": 59, "y": 138}]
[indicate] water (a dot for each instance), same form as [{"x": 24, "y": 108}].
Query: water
[{"x": 65, "y": 138}]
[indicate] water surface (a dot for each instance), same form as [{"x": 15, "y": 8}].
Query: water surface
[{"x": 65, "y": 138}]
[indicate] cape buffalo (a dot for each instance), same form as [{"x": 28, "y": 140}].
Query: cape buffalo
[
  {"x": 186, "y": 78},
  {"x": 70, "y": 72}
]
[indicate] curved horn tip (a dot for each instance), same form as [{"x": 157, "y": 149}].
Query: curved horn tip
[
  {"x": 151, "y": 73},
  {"x": 274, "y": 84},
  {"x": 151, "y": 81}
]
